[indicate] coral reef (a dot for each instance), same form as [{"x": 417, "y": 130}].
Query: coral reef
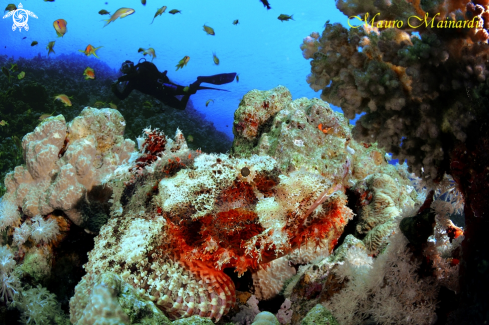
[
  {"x": 354, "y": 287},
  {"x": 22, "y": 103},
  {"x": 423, "y": 90},
  {"x": 65, "y": 162},
  {"x": 179, "y": 220},
  {"x": 319, "y": 316},
  {"x": 265, "y": 318},
  {"x": 393, "y": 75}
]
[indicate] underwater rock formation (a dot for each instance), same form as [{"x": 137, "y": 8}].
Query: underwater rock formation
[
  {"x": 424, "y": 91},
  {"x": 24, "y": 102},
  {"x": 64, "y": 163},
  {"x": 180, "y": 217}
]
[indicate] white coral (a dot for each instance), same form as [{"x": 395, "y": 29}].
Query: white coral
[
  {"x": 9, "y": 280},
  {"x": 9, "y": 214},
  {"x": 7, "y": 262},
  {"x": 268, "y": 282},
  {"x": 44, "y": 230},
  {"x": 9, "y": 286},
  {"x": 48, "y": 182},
  {"x": 21, "y": 234},
  {"x": 384, "y": 290}
]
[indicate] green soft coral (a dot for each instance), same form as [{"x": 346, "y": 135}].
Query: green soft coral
[
  {"x": 39, "y": 306},
  {"x": 36, "y": 264}
]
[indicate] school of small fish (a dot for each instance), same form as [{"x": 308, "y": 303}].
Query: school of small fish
[{"x": 60, "y": 27}]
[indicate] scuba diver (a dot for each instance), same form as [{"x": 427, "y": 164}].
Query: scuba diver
[{"x": 146, "y": 78}]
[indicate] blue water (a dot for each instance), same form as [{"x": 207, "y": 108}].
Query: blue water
[{"x": 263, "y": 50}]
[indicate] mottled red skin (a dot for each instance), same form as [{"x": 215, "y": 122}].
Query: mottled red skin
[
  {"x": 265, "y": 184},
  {"x": 228, "y": 230},
  {"x": 301, "y": 228},
  {"x": 221, "y": 240},
  {"x": 153, "y": 146},
  {"x": 238, "y": 191}
]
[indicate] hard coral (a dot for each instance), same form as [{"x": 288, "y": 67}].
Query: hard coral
[
  {"x": 256, "y": 110},
  {"x": 393, "y": 75},
  {"x": 48, "y": 182}
]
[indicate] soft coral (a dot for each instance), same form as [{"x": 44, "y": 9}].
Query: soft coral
[
  {"x": 9, "y": 281},
  {"x": 44, "y": 230}
]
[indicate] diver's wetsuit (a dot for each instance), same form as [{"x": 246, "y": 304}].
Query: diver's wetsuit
[{"x": 146, "y": 78}]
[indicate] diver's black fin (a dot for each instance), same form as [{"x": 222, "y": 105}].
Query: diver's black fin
[
  {"x": 201, "y": 87},
  {"x": 218, "y": 79}
]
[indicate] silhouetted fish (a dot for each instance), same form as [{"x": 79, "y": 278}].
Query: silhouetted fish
[{"x": 266, "y": 4}]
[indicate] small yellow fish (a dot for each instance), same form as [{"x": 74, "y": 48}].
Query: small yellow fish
[
  {"x": 151, "y": 52},
  {"x": 190, "y": 138},
  {"x": 98, "y": 104},
  {"x": 174, "y": 11},
  {"x": 64, "y": 99},
  {"x": 21, "y": 75},
  {"x": 60, "y": 27},
  {"x": 235, "y": 22},
  {"x": 34, "y": 43},
  {"x": 50, "y": 47},
  {"x": 208, "y": 102},
  {"x": 3, "y": 123},
  {"x": 89, "y": 73},
  {"x": 147, "y": 104},
  {"x": 120, "y": 13},
  {"x": 237, "y": 78},
  {"x": 183, "y": 62},
  {"x": 13, "y": 67},
  {"x": 90, "y": 50},
  {"x": 104, "y": 12},
  {"x": 209, "y": 30},
  {"x": 284, "y": 17},
  {"x": 10, "y": 7},
  {"x": 159, "y": 12},
  {"x": 45, "y": 116},
  {"x": 112, "y": 105},
  {"x": 215, "y": 58}
]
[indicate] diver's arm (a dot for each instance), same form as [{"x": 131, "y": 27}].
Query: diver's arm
[
  {"x": 125, "y": 77},
  {"x": 122, "y": 95}
]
